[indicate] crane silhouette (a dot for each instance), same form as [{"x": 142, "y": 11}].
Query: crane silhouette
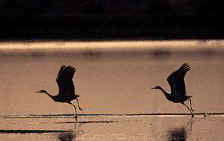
[
  {"x": 66, "y": 88},
  {"x": 178, "y": 90}
]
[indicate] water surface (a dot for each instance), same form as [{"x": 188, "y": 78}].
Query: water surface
[{"x": 116, "y": 82}]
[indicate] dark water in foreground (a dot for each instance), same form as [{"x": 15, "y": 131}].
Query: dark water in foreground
[{"x": 110, "y": 84}]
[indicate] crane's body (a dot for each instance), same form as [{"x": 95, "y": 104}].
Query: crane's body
[
  {"x": 64, "y": 99},
  {"x": 177, "y": 84},
  {"x": 66, "y": 87}
]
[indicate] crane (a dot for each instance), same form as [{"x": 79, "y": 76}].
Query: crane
[
  {"x": 177, "y": 85},
  {"x": 66, "y": 88}
]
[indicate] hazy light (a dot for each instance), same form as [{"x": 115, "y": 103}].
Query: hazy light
[{"x": 112, "y": 44}]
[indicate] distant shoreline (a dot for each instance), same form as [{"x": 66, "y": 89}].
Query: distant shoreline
[
  {"x": 113, "y": 48},
  {"x": 116, "y": 44}
]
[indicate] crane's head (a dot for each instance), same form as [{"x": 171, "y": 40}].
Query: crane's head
[
  {"x": 156, "y": 87},
  {"x": 42, "y": 91}
]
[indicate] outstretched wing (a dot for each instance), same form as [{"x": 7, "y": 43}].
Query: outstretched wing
[
  {"x": 64, "y": 81},
  {"x": 176, "y": 80}
]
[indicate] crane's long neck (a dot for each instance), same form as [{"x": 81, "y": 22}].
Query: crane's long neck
[
  {"x": 51, "y": 96},
  {"x": 167, "y": 95}
]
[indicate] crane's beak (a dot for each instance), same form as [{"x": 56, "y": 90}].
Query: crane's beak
[
  {"x": 37, "y": 91},
  {"x": 153, "y": 88}
]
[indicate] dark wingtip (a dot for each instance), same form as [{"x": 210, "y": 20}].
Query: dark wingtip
[
  {"x": 63, "y": 66},
  {"x": 72, "y": 68},
  {"x": 186, "y": 67}
]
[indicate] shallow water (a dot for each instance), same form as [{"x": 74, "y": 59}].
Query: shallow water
[
  {"x": 109, "y": 84},
  {"x": 110, "y": 128},
  {"x": 116, "y": 83}
]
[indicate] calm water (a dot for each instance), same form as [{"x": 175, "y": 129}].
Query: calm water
[
  {"x": 111, "y": 83},
  {"x": 142, "y": 128}
]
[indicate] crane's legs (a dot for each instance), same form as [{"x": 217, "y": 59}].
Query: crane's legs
[
  {"x": 78, "y": 104},
  {"x": 190, "y": 109},
  {"x": 191, "y": 105},
  {"x": 75, "y": 114},
  {"x": 186, "y": 107}
]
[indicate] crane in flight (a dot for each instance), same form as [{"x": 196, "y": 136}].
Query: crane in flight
[
  {"x": 177, "y": 85},
  {"x": 66, "y": 88}
]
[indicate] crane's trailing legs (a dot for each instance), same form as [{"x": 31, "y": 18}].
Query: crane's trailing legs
[
  {"x": 78, "y": 104},
  {"x": 75, "y": 112},
  {"x": 186, "y": 106},
  {"x": 191, "y": 105},
  {"x": 75, "y": 109},
  {"x": 189, "y": 108}
]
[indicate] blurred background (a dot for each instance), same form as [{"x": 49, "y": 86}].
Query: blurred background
[{"x": 110, "y": 19}]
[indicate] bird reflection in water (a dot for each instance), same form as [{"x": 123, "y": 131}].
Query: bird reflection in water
[
  {"x": 69, "y": 136},
  {"x": 182, "y": 133},
  {"x": 178, "y": 134},
  {"x": 72, "y": 135}
]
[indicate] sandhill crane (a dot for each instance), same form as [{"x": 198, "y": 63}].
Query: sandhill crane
[
  {"x": 66, "y": 87},
  {"x": 177, "y": 84}
]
